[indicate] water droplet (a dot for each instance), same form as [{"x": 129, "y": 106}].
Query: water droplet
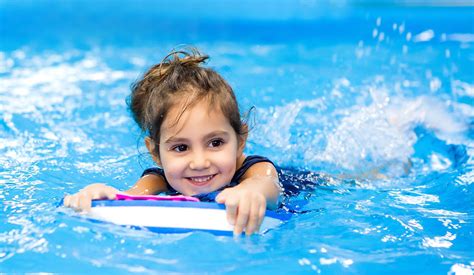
[
  {"x": 381, "y": 36},
  {"x": 401, "y": 28},
  {"x": 374, "y": 33},
  {"x": 447, "y": 53}
]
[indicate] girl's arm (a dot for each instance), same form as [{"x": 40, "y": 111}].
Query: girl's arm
[
  {"x": 246, "y": 203},
  {"x": 150, "y": 184},
  {"x": 82, "y": 200}
]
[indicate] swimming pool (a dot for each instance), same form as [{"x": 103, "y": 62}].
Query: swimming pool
[{"x": 344, "y": 88}]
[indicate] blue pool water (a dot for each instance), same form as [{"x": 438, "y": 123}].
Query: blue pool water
[{"x": 378, "y": 96}]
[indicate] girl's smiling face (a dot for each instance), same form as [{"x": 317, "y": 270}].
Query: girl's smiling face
[{"x": 199, "y": 152}]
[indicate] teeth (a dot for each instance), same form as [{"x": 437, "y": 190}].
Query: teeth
[{"x": 201, "y": 179}]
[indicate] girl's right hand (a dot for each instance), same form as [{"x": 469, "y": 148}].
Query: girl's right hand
[{"x": 82, "y": 200}]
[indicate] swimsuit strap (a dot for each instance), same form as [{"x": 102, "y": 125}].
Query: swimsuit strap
[{"x": 248, "y": 162}]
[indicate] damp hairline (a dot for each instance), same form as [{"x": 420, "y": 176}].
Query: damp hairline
[
  {"x": 187, "y": 98},
  {"x": 179, "y": 107}
]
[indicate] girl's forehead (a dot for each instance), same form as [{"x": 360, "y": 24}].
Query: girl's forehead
[
  {"x": 179, "y": 114},
  {"x": 183, "y": 107}
]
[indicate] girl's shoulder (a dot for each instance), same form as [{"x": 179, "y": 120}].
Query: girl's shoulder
[
  {"x": 248, "y": 162},
  {"x": 153, "y": 171},
  {"x": 252, "y": 159}
]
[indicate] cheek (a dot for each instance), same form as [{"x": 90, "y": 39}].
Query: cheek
[
  {"x": 171, "y": 165},
  {"x": 227, "y": 161},
  {"x": 174, "y": 171}
]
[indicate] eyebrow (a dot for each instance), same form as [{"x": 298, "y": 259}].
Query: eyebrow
[{"x": 174, "y": 139}]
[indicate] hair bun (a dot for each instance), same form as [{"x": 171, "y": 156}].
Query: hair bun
[
  {"x": 193, "y": 60},
  {"x": 187, "y": 56}
]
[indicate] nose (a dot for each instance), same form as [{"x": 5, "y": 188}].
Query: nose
[{"x": 199, "y": 161}]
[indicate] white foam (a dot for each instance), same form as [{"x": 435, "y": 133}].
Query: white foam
[
  {"x": 461, "y": 269},
  {"x": 440, "y": 241},
  {"x": 418, "y": 199},
  {"x": 329, "y": 261},
  {"x": 427, "y": 111},
  {"x": 50, "y": 86},
  {"x": 439, "y": 162},
  {"x": 49, "y": 79},
  {"x": 435, "y": 84},
  {"x": 282, "y": 118},
  {"x": 424, "y": 36},
  {"x": 466, "y": 178},
  {"x": 363, "y": 137},
  {"x": 461, "y": 37},
  {"x": 461, "y": 88},
  {"x": 441, "y": 213}
]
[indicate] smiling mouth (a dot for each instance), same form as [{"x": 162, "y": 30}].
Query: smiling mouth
[{"x": 202, "y": 180}]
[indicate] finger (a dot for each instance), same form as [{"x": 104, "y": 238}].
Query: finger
[
  {"x": 253, "y": 219},
  {"x": 66, "y": 200},
  {"x": 103, "y": 192},
  {"x": 221, "y": 197},
  {"x": 112, "y": 194},
  {"x": 242, "y": 216},
  {"x": 73, "y": 202},
  {"x": 85, "y": 202},
  {"x": 107, "y": 193},
  {"x": 97, "y": 194},
  {"x": 231, "y": 206},
  {"x": 261, "y": 215},
  {"x": 257, "y": 211}
]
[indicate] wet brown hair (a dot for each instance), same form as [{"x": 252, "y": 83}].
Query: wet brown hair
[{"x": 180, "y": 78}]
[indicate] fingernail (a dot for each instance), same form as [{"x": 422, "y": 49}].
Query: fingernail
[{"x": 237, "y": 231}]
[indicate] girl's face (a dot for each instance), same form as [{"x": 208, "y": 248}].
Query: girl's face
[{"x": 200, "y": 153}]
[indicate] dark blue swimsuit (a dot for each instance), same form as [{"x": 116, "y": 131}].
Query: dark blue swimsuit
[{"x": 248, "y": 162}]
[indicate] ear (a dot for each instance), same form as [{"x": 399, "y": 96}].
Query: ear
[
  {"x": 150, "y": 145},
  {"x": 242, "y": 139}
]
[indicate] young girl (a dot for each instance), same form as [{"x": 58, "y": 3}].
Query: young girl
[{"x": 195, "y": 134}]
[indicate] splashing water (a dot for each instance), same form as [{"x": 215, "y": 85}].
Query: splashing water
[{"x": 374, "y": 125}]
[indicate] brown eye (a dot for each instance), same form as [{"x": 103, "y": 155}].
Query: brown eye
[
  {"x": 180, "y": 148},
  {"x": 216, "y": 143}
]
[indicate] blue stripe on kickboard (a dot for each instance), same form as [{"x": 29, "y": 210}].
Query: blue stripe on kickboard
[
  {"x": 169, "y": 230},
  {"x": 175, "y": 230}
]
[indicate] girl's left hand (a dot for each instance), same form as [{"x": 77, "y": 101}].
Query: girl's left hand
[{"x": 245, "y": 208}]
